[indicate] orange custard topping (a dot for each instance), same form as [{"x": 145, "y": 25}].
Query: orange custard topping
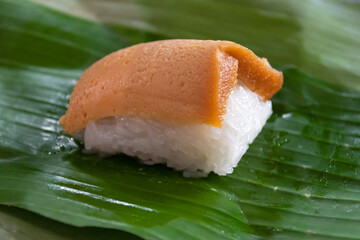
[{"x": 184, "y": 81}]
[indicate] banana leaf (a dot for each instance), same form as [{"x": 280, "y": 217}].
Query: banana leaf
[
  {"x": 20, "y": 224},
  {"x": 299, "y": 179}
]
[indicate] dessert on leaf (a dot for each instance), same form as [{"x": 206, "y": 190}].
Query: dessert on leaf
[{"x": 194, "y": 105}]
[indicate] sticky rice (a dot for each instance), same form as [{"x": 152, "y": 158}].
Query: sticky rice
[{"x": 195, "y": 149}]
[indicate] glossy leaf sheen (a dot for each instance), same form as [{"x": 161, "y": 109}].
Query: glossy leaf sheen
[{"x": 299, "y": 179}]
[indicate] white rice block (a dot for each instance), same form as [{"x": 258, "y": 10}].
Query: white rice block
[{"x": 195, "y": 149}]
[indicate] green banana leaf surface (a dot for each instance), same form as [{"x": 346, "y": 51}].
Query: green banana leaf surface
[{"x": 300, "y": 178}]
